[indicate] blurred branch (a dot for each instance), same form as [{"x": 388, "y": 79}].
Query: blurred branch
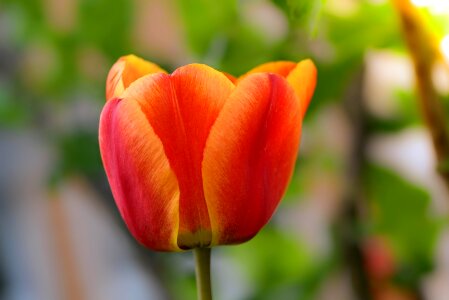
[
  {"x": 423, "y": 46},
  {"x": 351, "y": 219},
  {"x": 349, "y": 222},
  {"x": 70, "y": 276}
]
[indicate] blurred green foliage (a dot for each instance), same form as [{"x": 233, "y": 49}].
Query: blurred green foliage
[
  {"x": 274, "y": 272},
  {"x": 206, "y": 21},
  {"x": 400, "y": 211}
]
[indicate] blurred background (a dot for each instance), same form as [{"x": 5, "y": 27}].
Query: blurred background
[{"x": 365, "y": 216}]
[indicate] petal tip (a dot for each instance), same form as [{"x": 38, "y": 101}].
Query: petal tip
[{"x": 126, "y": 70}]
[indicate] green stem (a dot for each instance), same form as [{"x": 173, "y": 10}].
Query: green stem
[{"x": 202, "y": 263}]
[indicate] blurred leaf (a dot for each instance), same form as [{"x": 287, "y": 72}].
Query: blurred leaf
[
  {"x": 245, "y": 49},
  {"x": 12, "y": 113},
  {"x": 79, "y": 154},
  {"x": 28, "y": 14},
  {"x": 285, "y": 258},
  {"x": 280, "y": 265},
  {"x": 179, "y": 274},
  {"x": 304, "y": 13},
  {"x": 347, "y": 39},
  {"x": 325, "y": 161},
  {"x": 295, "y": 188},
  {"x": 106, "y": 24},
  {"x": 401, "y": 212},
  {"x": 407, "y": 114},
  {"x": 206, "y": 20},
  {"x": 352, "y": 35}
]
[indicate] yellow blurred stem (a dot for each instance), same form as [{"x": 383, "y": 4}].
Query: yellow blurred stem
[
  {"x": 202, "y": 270},
  {"x": 422, "y": 43}
]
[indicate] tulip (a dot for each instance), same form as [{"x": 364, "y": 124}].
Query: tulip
[{"x": 199, "y": 158}]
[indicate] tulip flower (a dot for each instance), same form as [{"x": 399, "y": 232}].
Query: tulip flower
[{"x": 199, "y": 158}]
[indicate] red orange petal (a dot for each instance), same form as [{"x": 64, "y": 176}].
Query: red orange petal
[
  {"x": 142, "y": 182},
  {"x": 181, "y": 108},
  {"x": 250, "y": 156},
  {"x": 125, "y": 71}
]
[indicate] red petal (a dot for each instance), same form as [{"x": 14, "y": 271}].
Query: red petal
[
  {"x": 143, "y": 184},
  {"x": 250, "y": 156},
  {"x": 181, "y": 108}
]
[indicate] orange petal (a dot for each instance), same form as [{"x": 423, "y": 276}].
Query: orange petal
[
  {"x": 282, "y": 68},
  {"x": 125, "y": 71},
  {"x": 142, "y": 182},
  {"x": 302, "y": 76},
  {"x": 250, "y": 156},
  {"x": 182, "y": 108},
  {"x": 303, "y": 80}
]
